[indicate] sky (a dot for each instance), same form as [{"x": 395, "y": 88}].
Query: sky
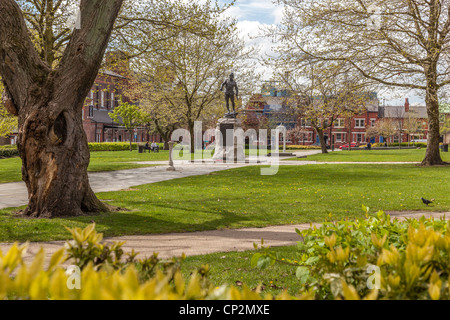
[{"x": 252, "y": 15}]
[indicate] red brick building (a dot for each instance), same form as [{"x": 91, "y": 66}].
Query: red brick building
[
  {"x": 262, "y": 108},
  {"x": 105, "y": 95},
  {"x": 400, "y": 116}
]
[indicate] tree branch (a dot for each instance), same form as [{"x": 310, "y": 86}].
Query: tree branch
[
  {"x": 83, "y": 55},
  {"x": 20, "y": 66}
]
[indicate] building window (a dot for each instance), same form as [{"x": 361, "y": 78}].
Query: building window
[
  {"x": 98, "y": 136},
  {"x": 91, "y": 111},
  {"x": 108, "y": 99},
  {"x": 372, "y": 122},
  {"x": 97, "y": 94},
  {"x": 112, "y": 100},
  {"x": 358, "y": 137},
  {"x": 306, "y": 123},
  {"x": 339, "y": 123},
  {"x": 339, "y": 137},
  {"x": 360, "y": 123},
  {"x": 103, "y": 99}
]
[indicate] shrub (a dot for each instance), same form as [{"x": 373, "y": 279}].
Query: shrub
[
  {"x": 301, "y": 147},
  {"x": 8, "y": 151},
  {"x": 9, "y": 146},
  {"x": 338, "y": 259},
  {"x": 404, "y": 144},
  {"x": 104, "y": 275},
  {"x": 112, "y": 146},
  {"x": 11, "y": 151}
]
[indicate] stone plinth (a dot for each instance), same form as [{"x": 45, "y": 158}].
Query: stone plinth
[{"x": 230, "y": 141}]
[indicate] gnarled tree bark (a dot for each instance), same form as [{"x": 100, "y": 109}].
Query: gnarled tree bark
[{"x": 51, "y": 141}]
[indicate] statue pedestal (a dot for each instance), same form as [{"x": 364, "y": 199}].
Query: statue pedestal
[{"x": 230, "y": 141}]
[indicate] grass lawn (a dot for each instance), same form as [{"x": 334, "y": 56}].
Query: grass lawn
[
  {"x": 100, "y": 161},
  {"x": 233, "y": 268},
  {"x": 243, "y": 198},
  {"x": 395, "y": 155}
]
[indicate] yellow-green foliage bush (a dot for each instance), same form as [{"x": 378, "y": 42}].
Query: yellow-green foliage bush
[
  {"x": 301, "y": 147},
  {"x": 338, "y": 260},
  {"x": 104, "y": 276},
  {"x": 111, "y": 146}
]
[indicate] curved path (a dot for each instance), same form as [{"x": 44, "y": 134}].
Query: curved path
[{"x": 204, "y": 242}]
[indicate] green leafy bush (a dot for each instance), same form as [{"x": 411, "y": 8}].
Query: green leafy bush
[
  {"x": 404, "y": 144},
  {"x": 340, "y": 259},
  {"x": 111, "y": 146},
  {"x": 301, "y": 147},
  {"x": 105, "y": 275},
  {"x": 11, "y": 151},
  {"x": 8, "y": 151}
]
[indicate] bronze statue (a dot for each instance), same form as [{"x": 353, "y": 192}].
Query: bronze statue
[{"x": 230, "y": 86}]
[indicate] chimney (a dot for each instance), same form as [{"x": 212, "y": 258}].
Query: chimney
[{"x": 407, "y": 105}]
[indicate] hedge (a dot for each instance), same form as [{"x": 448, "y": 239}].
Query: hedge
[
  {"x": 99, "y": 273},
  {"x": 372, "y": 258},
  {"x": 11, "y": 151},
  {"x": 8, "y": 151},
  {"x": 404, "y": 144},
  {"x": 112, "y": 146},
  {"x": 376, "y": 257}
]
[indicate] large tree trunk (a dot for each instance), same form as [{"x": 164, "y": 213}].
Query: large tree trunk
[
  {"x": 51, "y": 141},
  {"x": 55, "y": 157},
  {"x": 433, "y": 155}
]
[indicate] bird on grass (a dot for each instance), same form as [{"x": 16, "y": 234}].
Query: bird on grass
[{"x": 427, "y": 202}]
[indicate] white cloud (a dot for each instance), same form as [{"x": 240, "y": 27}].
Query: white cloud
[
  {"x": 253, "y": 16},
  {"x": 251, "y": 32}
]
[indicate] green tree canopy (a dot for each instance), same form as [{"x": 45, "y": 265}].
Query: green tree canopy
[{"x": 130, "y": 116}]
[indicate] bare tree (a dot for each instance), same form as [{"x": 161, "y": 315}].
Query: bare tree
[
  {"x": 386, "y": 128},
  {"x": 396, "y": 43},
  {"x": 8, "y": 121},
  {"x": 411, "y": 125},
  {"x": 155, "y": 21},
  {"x": 322, "y": 93}
]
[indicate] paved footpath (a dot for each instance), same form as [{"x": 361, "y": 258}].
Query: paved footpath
[{"x": 204, "y": 242}]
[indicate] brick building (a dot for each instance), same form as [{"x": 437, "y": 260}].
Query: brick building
[
  {"x": 270, "y": 106},
  {"x": 400, "y": 115},
  {"x": 105, "y": 95}
]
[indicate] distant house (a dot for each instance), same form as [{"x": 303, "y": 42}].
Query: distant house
[
  {"x": 105, "y": 95},
  {"x": 400, "y": 115},
  {"x": 271, "y": 106},
  {"x": 446, "y": 137}
]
